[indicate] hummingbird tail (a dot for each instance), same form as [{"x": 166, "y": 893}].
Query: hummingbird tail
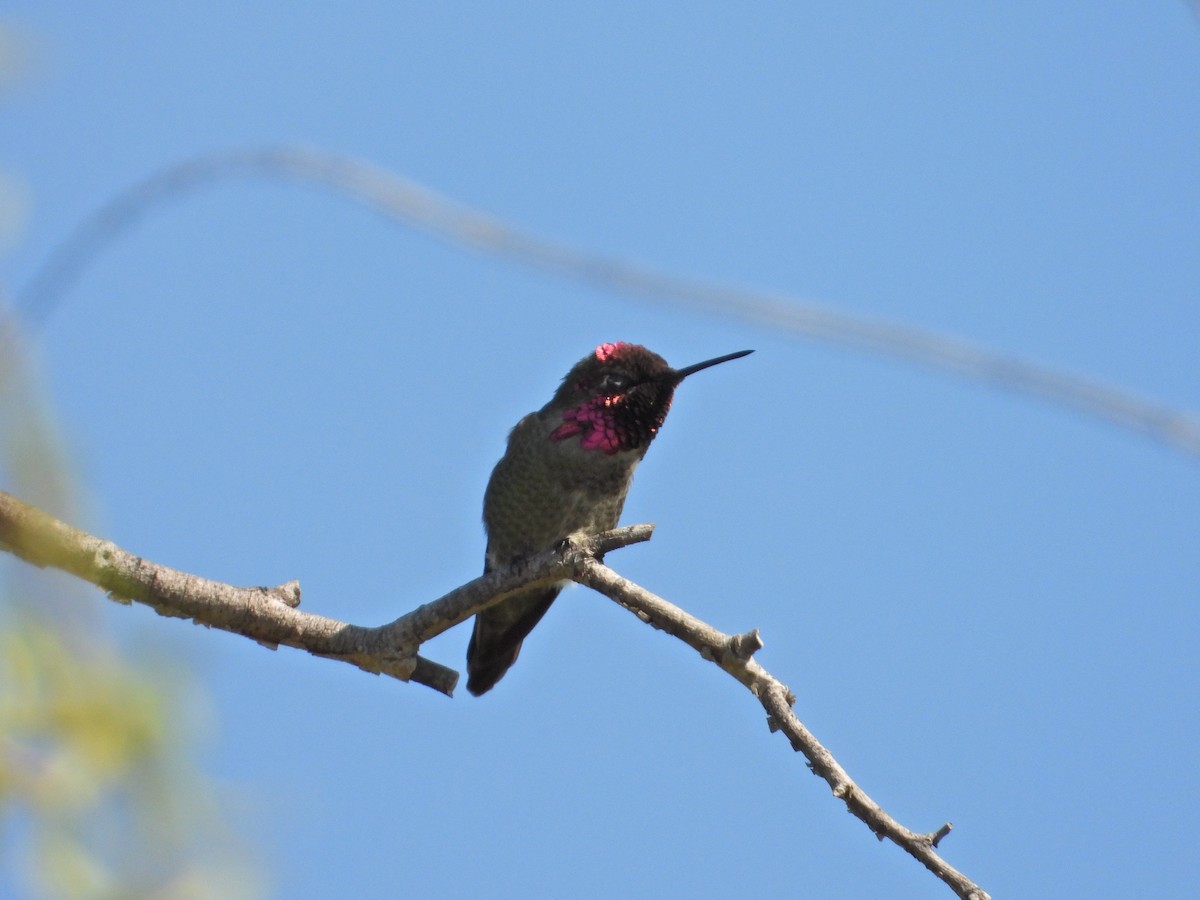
[{"x": 499, "y": 631}]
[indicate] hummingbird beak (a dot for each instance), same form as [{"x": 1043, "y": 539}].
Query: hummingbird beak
[{"x": 677, "y": 375}]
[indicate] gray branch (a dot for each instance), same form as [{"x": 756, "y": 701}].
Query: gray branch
[
  {"x": 735, "y": 655},
  {"x": 269, "y": 616}
]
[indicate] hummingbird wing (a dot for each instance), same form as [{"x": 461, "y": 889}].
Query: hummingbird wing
[
  {"x": 499, "y": 631},
  {"x": 541, "y": 491}
]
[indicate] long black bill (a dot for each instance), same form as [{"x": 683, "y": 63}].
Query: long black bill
[{"x": 679, "y": 374}]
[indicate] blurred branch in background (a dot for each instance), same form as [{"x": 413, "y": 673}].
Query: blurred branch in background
[{"x": 402, "y": 199}]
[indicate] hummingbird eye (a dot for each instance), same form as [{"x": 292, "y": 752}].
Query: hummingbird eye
[{"x": 615, "y": 382}]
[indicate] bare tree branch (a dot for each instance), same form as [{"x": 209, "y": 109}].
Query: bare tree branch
[
  {"x": 734, "y": 654},
  {"x": 269, "y": 616}
]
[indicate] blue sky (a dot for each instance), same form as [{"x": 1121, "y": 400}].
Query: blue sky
[{"x": 985, "y": 604}]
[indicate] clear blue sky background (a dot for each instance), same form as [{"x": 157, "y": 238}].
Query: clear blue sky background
[{"x": 986, "y": 605}]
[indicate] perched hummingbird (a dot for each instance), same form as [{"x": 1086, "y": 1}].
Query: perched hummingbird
[{"x": 567, "y": 470}]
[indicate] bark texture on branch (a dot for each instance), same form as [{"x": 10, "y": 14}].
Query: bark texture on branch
[
  {"x": 269, "y": 615},
  {"x": 734, "y": 654}
]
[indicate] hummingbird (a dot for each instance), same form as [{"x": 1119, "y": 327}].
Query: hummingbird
[{"x": 566, "y": 471}]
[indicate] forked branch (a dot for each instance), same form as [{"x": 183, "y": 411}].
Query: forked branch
[{"x": 269, "y": 615}]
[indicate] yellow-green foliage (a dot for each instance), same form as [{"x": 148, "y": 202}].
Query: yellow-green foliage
[
  {"x": 93, "y": 775},
  {"x": 99, "y": 794}
]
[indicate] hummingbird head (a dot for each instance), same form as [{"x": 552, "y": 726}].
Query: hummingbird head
[{"x": 617, "y": 397}]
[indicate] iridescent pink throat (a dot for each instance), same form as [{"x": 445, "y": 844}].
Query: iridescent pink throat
[{"x": 596, "y": 420}]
